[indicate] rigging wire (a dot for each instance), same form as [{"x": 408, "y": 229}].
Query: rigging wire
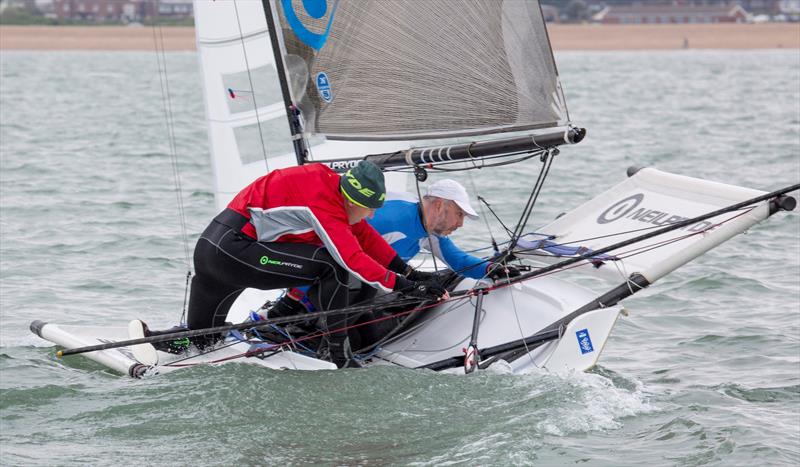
[
  {"x": 483, "y": 214},
  {"x": 519, "y": 326},
  {"x": 161, "y": 61},
  {"x": 547, "y": 160},
  {"x": 425, "y": 225},
  {"x": 489, "y": 207},
  {"x": 252, "y": 87}
]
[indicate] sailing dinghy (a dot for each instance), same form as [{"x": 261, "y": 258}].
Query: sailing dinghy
[{"x": 451, "y": 85}]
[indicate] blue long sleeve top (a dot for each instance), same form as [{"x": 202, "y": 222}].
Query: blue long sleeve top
[{"x": 400, "y": 224}]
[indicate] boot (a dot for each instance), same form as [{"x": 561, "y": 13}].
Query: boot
[
  {"x": 287, "y": 306},
  {"x": 340, "y": 353},
  {"x": 177, "y": 346}
]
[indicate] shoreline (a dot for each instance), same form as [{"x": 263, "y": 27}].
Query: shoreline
[{"x": 562, "y": 36}]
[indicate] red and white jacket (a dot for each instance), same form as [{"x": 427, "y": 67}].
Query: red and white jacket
[{"x": 304, "y": 205}]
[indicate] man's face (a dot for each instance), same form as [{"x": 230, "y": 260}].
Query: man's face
[
  {"x": 356, "y": 213},
  {"x": 447, "y": 217}
]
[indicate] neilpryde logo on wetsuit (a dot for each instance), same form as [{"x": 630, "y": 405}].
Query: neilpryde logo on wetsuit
[
  {"x": 315, "y": 10},
  {"x": 266, "y": 261}
]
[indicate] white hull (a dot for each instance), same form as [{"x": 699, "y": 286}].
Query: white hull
[{"x": 508, "y": 314}]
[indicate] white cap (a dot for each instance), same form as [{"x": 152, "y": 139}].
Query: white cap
[{"x": 452, "y": 190}]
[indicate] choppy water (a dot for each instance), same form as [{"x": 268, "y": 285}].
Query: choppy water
[{"x": 706, "y": 370}]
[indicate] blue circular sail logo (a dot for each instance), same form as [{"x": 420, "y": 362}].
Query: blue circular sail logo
[
  {"x": 324, "y": 87},
  {"x": 316, "y": 9}
]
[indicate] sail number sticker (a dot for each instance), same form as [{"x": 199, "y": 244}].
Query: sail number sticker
[
  {"x": 584, "y": 341},
  {"x": 324, "y": 87}
]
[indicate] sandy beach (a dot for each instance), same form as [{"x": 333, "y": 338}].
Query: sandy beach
[{"x": 563, "y": 37}]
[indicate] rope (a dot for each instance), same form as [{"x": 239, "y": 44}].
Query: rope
[{"x": 483, "y": 214}]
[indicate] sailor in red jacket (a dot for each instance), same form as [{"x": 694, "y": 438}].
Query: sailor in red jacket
[{"x": 299, "y": 226}]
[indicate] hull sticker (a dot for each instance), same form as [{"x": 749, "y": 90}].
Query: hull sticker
[{"x": 584, "y": 341}]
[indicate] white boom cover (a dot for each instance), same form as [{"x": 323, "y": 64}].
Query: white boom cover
[{"x": 647, "y": 201}]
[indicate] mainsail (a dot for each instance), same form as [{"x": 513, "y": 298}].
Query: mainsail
[{"x": 376, "y": 69}]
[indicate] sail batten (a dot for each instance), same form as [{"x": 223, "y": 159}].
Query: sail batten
[{"x": 254, "y": 35}]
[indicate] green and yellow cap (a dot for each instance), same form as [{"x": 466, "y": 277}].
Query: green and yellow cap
[{"x": 364, "y": 185}]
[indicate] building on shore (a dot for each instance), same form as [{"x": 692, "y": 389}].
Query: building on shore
[
  {"x": 550, "y": 13},
  {"x": 117, "y": 11},
  {"x": 671, "y": 13}
]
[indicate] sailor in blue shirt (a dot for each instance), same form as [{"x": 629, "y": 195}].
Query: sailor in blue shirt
[{"x": 443, "y": 208}]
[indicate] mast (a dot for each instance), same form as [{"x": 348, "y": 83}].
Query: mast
[{"x": 292, "y": 110}]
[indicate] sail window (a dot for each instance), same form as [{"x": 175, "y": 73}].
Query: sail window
[
  {"x": 246, "y": 90},
  {"x": 273, "y": 141}
]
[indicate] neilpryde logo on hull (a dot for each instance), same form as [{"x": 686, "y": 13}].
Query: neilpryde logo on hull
[
  {"x": 324, "y": 87},
  {"x": 628, "y": 208},
  {"x": 584, "y": 341},
  {"x": 315, "y": 9}
]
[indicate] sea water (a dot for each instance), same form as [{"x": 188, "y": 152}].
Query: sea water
[{"x": 705, "y": 370}]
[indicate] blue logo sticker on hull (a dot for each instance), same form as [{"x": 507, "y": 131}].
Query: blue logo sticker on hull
[
  {"x": 324, "y": 87},
  {"x": 315, "y": 9},
  {"x": 584, "y": 341}
]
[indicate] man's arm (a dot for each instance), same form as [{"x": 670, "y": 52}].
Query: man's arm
[{"x": 460, "y": 261}]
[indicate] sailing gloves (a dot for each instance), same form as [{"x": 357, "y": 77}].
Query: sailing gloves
[
  {"x": 498, "y": 271},
  {"x": 413, "y": 283},
  {"x": 424, "y": 289},
  {"x": 418, "y": 276}
]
